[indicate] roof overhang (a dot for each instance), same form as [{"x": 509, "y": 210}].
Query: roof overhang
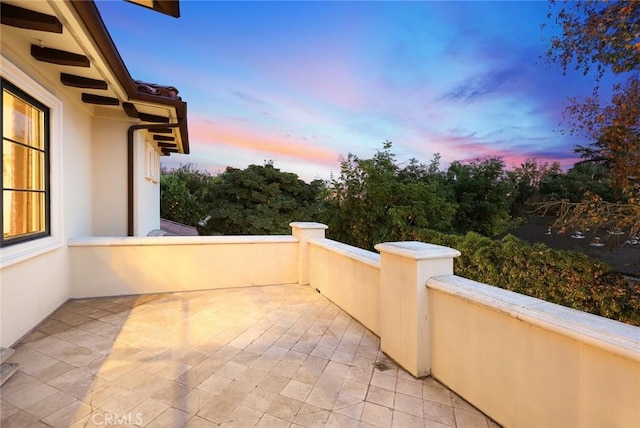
[
  {"x": 168, "y": 7},
  {"x": 90, "y": 16},
  {"x": 69, "y": 38}
]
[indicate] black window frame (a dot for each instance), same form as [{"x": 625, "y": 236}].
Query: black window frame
[{"x": 16, "y": 91}]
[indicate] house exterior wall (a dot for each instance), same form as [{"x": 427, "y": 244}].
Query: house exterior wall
[
  {"x": 34, "y": 276},
  {"x": 109, "y": 169},
  {"x": 146, "y": 187},
  {"x": 88, "y": 195}
]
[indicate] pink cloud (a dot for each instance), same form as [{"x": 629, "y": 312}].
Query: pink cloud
[
  {"x": 236, "y": 135},
  {"x": 468, "y": 147}
]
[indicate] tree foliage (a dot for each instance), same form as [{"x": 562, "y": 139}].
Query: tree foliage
[
  {"x": 260, "y": 200},
  {"x": 184, "y": 195},
  {"x": 480, "y": 191},
  {"x": 604, "y": 36},
  {"x": 566, "y": 278},
  {"x": 615, "y": 130},
  {"x": 373, "y": 200},
  {"x": 527, "y": 181},
  {"x": 595, "y": 33}
]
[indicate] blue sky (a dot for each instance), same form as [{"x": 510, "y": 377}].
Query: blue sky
[{"x": 301, "y": 83}]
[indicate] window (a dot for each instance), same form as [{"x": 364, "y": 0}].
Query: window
[
  {"x": 152, "y": 163},
  {"x": 25, "y": 167}
]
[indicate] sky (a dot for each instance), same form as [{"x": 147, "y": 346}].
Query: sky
[{"x": 302, "y": 83}]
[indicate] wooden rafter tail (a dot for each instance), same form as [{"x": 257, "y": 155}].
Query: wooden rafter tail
[
  {"x": 99, "y": 100},
  {"x": 163, "y": 131},
  {"x": 164, "y": 138},
  {"x": 167, "y": 145},
  {"x": 130, "y": 109},
  {"x": 19, "y": 17},
  {"x": 55, "y": 56},
  {"x": 82, "y": 82},
  {"x": 152, "y": 118}
]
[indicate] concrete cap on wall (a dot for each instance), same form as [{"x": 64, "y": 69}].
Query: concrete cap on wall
[
  {"x": 308, "y": 225},
  {"x": 417, "y": 250}
]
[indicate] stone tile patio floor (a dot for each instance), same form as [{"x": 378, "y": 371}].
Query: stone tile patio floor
[{"x": 272, "y": 356}]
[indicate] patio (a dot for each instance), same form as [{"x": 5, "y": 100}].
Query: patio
[{"x": 271, "y": 356}]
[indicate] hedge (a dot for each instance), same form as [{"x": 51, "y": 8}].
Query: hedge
[{"x": 567, "y": 278}]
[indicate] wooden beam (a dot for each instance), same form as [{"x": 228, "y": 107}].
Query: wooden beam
[
  {"x": 168, "y": 7},
  {"x": 167, "y": 145},
  {"x": 82, "y": 82},
  {"x": 15, "y": 16},
  {"x": 163, "y": 131},
  {"x": 100, "y": 100},
  {"x": 167, "y": 150},
  {"x": 130, "y": 109},
  {"x": 55, "y": 56},
  {"x": 152, "y": 118},
  {"x": 164, "y": 138}
]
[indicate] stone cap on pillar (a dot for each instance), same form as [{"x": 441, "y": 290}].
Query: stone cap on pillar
[
  {"x": 308, "y": 225},
  {"x": 417, "y": 250}
]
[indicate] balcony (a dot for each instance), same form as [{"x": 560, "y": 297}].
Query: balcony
[
  {"x": 266, "y": 356},
  {"x": 285, "y": 331}
]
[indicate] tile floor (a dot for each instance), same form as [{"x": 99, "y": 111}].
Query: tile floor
[{"x": 276, "y": 356}]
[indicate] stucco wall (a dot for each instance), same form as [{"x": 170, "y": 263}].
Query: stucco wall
[
  {"x": 349, "y": 277},
  {"x": 109, "y": 172},
  {"x": 529, "y": 363},
  {"x": 147, "y": 192},
  {"x": 36, "y": 285},
  {"x": 108, "y": 267}
]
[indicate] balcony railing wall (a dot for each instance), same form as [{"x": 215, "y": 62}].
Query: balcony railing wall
[
  {"x": 120, "y": 266},
  {"x": 349, "y": 277}
]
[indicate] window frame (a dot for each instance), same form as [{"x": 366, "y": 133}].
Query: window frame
[
  {"x": 14, "y": 254},
  {"x": 152, "y": 163},
  {"x": 24, "y": 96}
]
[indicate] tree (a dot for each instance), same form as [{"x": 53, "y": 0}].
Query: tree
[
  {"x": 604, "y": 36},
  {"x": 481, "y": 192},
  {"x": 601, "y": 34},
  {"x": 375, "y": 200},
  {"x": 615, "y": 128},
  {"x": 184, "y": 194},
  {"x": 526, "y": 181},
  {"x": 261, "y": 200},
  {"x": 583, "y": 178}
]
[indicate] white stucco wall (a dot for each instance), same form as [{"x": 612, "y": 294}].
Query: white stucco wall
[
  {"x": 88, "y": 196},
  {"x": 35, "y": 284},
  {"x": 119, "y": 266},
  {"x": 146, "y": 191},
  {"x": 349, "y": 277},
  {"x": 109, "y": 169},
  {"x": 530, "y": 363}
]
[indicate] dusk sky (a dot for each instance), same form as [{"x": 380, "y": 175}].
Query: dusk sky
[{"x": 301, "y": 83}]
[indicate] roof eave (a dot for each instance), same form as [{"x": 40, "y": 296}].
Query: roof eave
[
  {"x": 90, "y": 16},
  {"x": 166, "y": 7}
]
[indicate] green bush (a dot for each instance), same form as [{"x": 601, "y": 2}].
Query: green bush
[{"x": 567, "y": 278}]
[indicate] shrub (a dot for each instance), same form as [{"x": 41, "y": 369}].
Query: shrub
[{"x": 567, "y": 278}]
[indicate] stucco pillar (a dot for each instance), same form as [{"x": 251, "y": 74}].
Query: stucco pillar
[
  {"x": 305, "y": 231},
  {"x": 404, "y": 300}
]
